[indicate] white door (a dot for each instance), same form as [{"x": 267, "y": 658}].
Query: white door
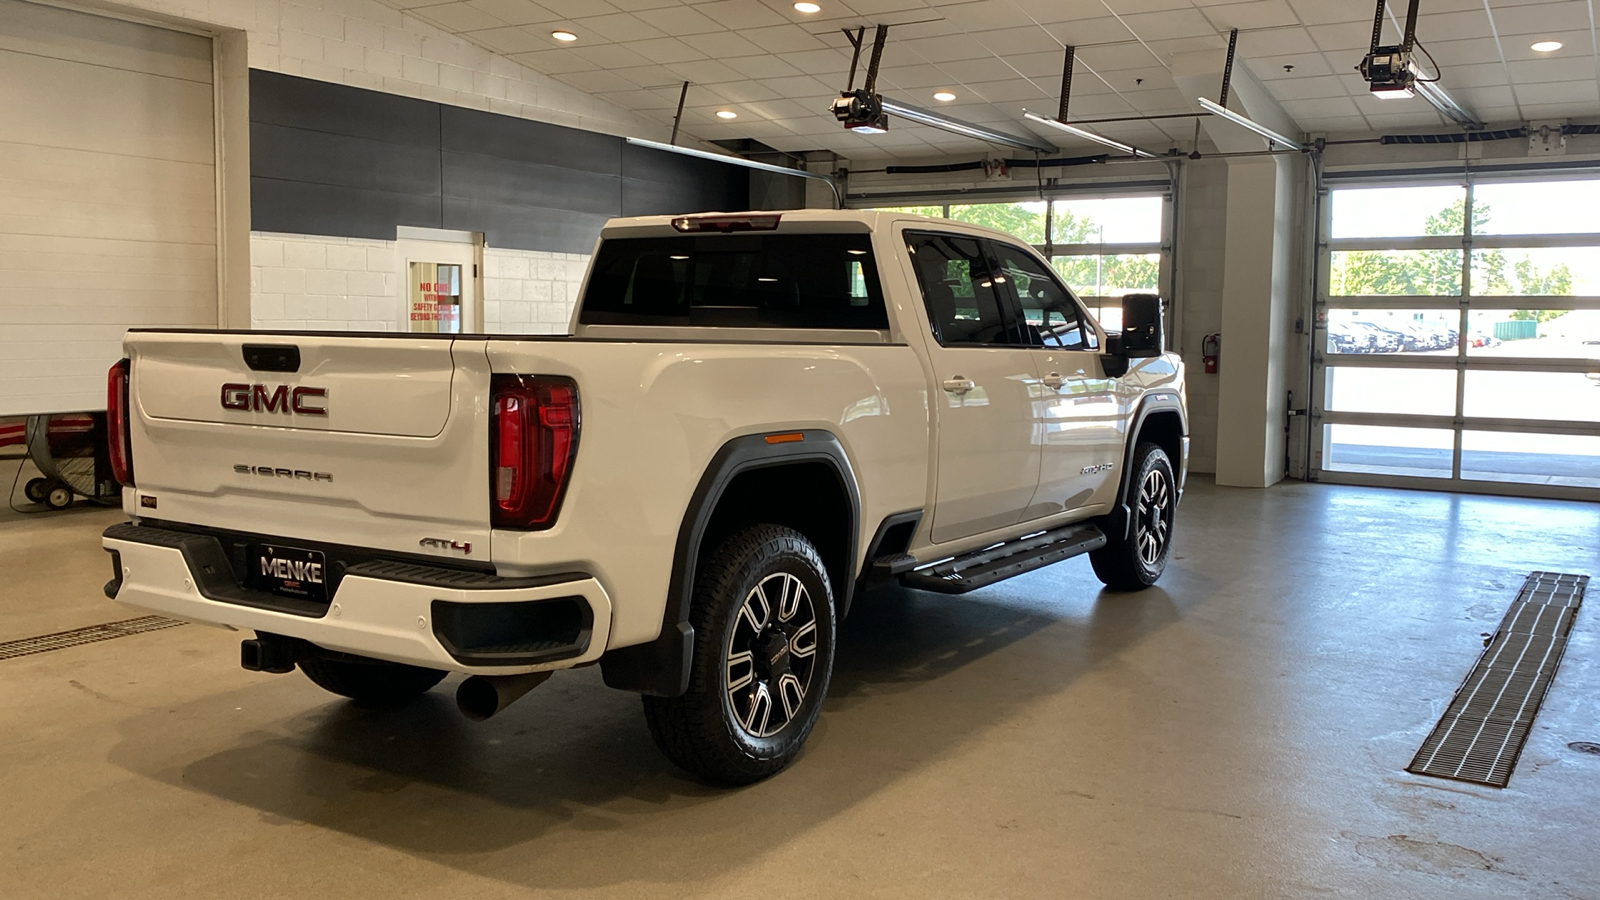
[
  {"x": 984, "y": 392},
  {"x": 108, "y": 215},
  {"x": 439, "y": 281},
  {"x": 1080, "y": 416}
]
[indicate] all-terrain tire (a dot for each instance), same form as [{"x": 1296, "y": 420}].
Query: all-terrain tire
[
  {"x": 763, "y": 653},
  {"x": 371, "y": 682},
  {"x": 1134, "y": 561}
]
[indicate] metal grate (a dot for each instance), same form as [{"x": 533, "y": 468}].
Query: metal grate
[
  {"x": 63, "y": 639},
  {"x": 1482, "y": 731}
]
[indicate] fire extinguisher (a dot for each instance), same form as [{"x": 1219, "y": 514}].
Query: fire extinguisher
[{"x": 1210, "y": 350}]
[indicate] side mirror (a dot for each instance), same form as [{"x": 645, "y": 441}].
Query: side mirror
[{"x": 1143, "y": 331}]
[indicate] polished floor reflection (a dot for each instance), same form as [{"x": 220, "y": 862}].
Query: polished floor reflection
[{"x": 1240, "y": 731}]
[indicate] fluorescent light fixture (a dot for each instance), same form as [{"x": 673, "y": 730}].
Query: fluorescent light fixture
[
  {"x": 1088, "y": 135},
  {"x": 943, "y": 96},
  {"x": 966, "y": 129},
  {"x": 807, "y": 7},
  {"x": 727, "y": 114},
  {"x": 1546, "y": 46},
  {"x": 741, "y": 161},
  {"x": 564, "y": 36},
  {"x": 1235, "y": 118}
]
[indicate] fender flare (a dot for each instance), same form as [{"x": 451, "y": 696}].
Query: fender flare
[
  {"x": 661, "y": 667},
  {"x": 1115, "y": 523}
]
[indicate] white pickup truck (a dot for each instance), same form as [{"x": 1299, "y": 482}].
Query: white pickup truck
[{"x": 756, "y": 417}]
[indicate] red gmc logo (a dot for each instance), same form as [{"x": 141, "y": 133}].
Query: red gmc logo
[{"x": 282, "y": 399}]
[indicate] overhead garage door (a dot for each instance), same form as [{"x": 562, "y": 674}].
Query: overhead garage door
[{"x": 107, "y": 197}]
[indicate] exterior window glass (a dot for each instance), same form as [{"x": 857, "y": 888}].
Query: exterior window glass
[
  {"x": 958, "y": 288},
  {"x": 1050, "y": 316},
  {"x": 737, "y": 281}
]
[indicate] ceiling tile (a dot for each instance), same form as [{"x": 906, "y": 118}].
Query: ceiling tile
[
  {"x": 767, "y": 66},
  {"x": 615, "y": 27},
  {"x": 509, "y": 40},
  {"x": 1306, "y": 88},
  {"x": 1307, "y": 110},
  {"x": 1006, "y": 42},
  {"x": 1259, "y": 14},
  {"x": 829, "y": 65},
  {"x": 573, "y": 9},
  {"x": 457, "y": 17},
  {"x": 968, "y": 71},
  {"x": 1563, "y": 68},
  {"x": 1114, "y": 58},
  {"x": 1586, "y": 91},
  {"x": 553, "y": 62},
  {"x": 611, "y": 56},
  {"x": 740, "y": 14},
  {"x": 678, "y": 20},
  {"x": 1166, "y": 49},
  {"x": 1089, "y": 31},
  {"x": 1013, "y": 91},
  {"x": 649, "y": 76},
  {"x": 598, "y": 80},
  {"x": 1305, "y": 65},
  {"x": 1529, "y": 20},
  {"x": 705, "y": 71},
  {"x": 665, "y": 50},
  {"x": 1452, "y": 26},
  {"x": 1353, "y": 36},
  {"x": 987, "y": 16},
  {"x": 636, "y": 5},
  {"x": 913, "y": 76},
  {"x": 1324, "y": 12},
  {"x": 1175, "y": 23},
  {"x": 514, "y": 12},
  {"x": 784, "y": 38},
  {"x": 1535, "y": 111},
  {"x": 941, "y": 49},
  {"x": 741, "y": 91},
  {"x": 721, "y": 44}
]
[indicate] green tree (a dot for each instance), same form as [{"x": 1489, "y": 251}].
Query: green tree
[{"x": 1019, "y": 219}]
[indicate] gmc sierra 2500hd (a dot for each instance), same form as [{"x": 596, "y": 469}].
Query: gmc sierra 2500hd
[{"x": 756, "y": 416}]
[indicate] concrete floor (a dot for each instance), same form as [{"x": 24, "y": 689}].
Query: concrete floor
[{"x": 1239, "y": 731}]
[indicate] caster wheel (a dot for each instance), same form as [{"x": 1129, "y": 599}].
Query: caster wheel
[
  {"x": 35, "y": 489},
  {"x": 58, "y": 497}
]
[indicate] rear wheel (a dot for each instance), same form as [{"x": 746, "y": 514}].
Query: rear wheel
[
  {"x": 763, "y": 654},
  {"x": 371, "y": 682},
  {"x": 57, "y": 496},
  {"x": 34, "y": 490},
  {"x": 1133, "y": 562}
]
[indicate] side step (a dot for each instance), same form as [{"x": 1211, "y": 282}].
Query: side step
[{"x": 982, "y": 568}]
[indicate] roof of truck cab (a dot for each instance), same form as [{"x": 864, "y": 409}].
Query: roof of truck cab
[{"x": 793, "y": 221}]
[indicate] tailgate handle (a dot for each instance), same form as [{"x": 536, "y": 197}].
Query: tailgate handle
[{"x": 272, "y": 357}]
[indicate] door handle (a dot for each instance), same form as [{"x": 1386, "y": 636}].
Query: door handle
[
  {"x": 959, "y": 384},
  {"x": 1054, "y": 380}
]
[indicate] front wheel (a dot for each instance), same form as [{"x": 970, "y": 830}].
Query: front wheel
[
  {"x": 1134, "y": 561},
  {"x": 763, "y": 653},
  {"x": 370, "y": 682}
]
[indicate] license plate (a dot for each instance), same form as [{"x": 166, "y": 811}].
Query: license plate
[{"x": 292, "y": 572}]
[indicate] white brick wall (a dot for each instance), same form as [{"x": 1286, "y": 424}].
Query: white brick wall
[
  {"x": 530, "y": 292},
  {"x": 324, "y": 283},
  {"x": 366, "y": 44},
  {"x": 351, "y": 284}
]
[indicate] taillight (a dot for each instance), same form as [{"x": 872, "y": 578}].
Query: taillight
[
  {"x": 533, "y": 440},
  {"x": 117, "y": 423}
]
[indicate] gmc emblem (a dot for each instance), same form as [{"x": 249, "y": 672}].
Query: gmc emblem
[{"x": 283, "y": 399}]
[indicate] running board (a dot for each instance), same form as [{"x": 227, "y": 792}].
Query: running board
[{"x": 982, "y": 568}]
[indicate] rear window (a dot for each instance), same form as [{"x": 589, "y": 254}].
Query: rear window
[{"x": 736, "y": 281}]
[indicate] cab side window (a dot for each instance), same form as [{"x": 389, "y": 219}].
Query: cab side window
[
  {"x": 963, "y": 302},
  {"x": 1050, "y": 315}
]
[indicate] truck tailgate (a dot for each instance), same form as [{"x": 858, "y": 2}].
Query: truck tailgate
[{"x": 364, "y": 441}]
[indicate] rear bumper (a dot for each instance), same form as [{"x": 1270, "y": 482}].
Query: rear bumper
[{"x": 420, "y": 615}]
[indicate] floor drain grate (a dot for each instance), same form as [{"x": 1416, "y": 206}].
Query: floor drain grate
[
  {"x": 64, "y": 639},
  {"x": 1482, "y": 731}
]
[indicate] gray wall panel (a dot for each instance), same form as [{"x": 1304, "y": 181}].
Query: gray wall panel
[
  {"x": 490, "y": 134},
  {"x": 338, "y": 210},
  {"x": 477, "y": 178},
  {"x": 336, "y": 160}
]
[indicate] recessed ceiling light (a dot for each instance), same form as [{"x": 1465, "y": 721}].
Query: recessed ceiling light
[
  {"x": 563, "y": 35},
  {"x": 943, "y": 96},
  {"x": 1546, "y": 46},
  {"x": 727, "y": 114},
  {"x": 807, "y": 7}
]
